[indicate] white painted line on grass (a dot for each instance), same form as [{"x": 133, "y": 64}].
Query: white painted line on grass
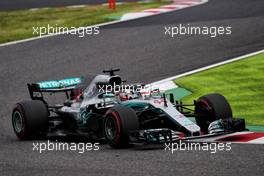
[
  {"x": 76, "y": 6},
  {"x": 34, "y": 9}
]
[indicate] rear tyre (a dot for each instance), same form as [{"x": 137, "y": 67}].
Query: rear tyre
[
  {"x": 211, "y": 107},
  {"x": 119, "y": 121},
  {"x": 29, "y": 119}
]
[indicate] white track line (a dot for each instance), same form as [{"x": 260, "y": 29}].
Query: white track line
[
  {"x": 208, "y": 67},
  {"x": 257, "y": 141}
]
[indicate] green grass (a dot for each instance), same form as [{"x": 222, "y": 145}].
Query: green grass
[
  {"x": 17, "y": 25},
  {"x": 241, "y": 82}
]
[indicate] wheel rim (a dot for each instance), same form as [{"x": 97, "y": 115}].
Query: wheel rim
[
  {"x": 110, "y": 128},
  {"x": 17, "y": 121}
]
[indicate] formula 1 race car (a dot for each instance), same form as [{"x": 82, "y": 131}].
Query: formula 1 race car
[{"x": 97, "y": 111}]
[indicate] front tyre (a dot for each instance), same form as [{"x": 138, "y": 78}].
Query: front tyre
[
  {"x": 29, "y": 119},
  {"x": 211, "y": 107},
  {"x": 119, "y": 121}
]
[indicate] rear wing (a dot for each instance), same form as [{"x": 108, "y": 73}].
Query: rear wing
[{"x": 65, "y": 85}]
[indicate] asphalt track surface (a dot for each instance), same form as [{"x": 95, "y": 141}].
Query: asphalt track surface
[
  {"x": 26, "y": 4},
  {"x": 143, "y": 53}
]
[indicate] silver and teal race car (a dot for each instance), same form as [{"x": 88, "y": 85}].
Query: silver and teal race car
[{"x": 95, "y": 110}]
